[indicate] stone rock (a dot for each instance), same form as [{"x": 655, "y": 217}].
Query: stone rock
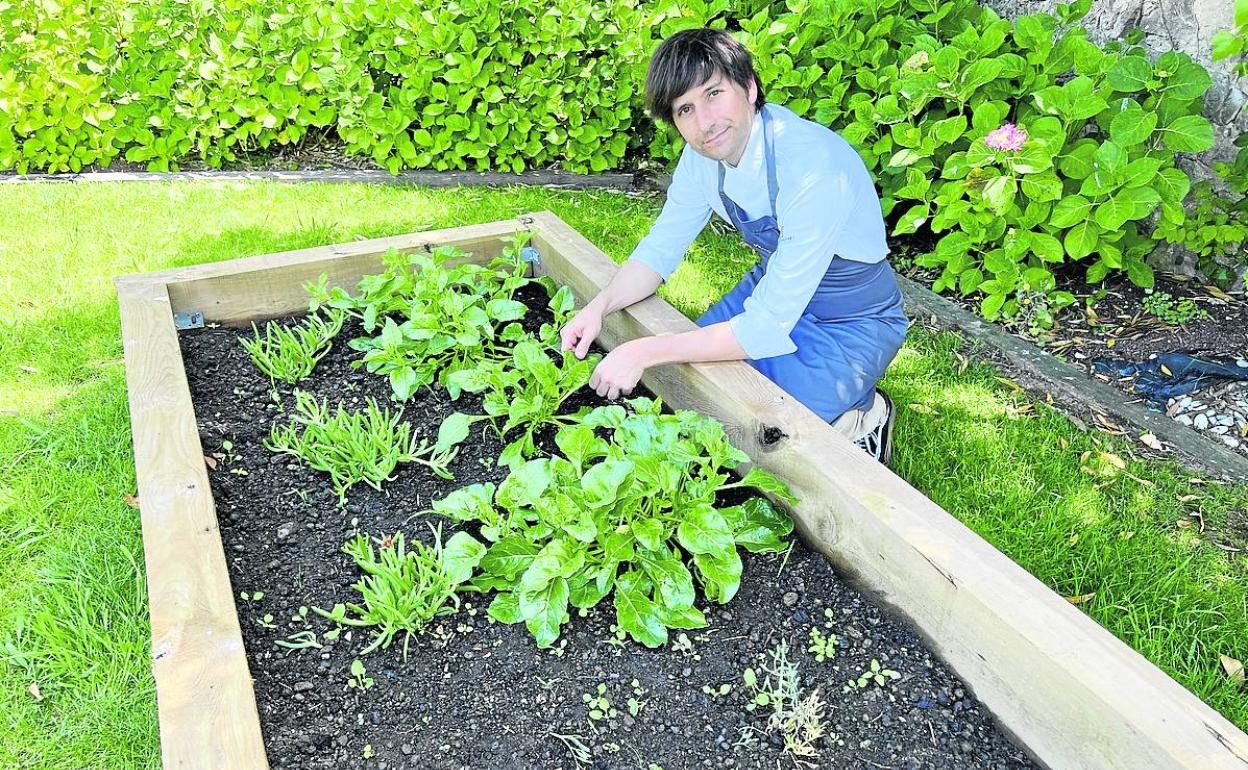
[{"x": 1201, "y": 422}]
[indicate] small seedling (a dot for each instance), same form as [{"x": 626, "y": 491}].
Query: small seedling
[
  {"x": 547, "y": 684},
  {"x": 581, "y": 754},
  {"x": 267, "y": 621},
  {"x": 823, "y": 646},
  {"x": 635, "y": 703},
  {"x": 368, "y": 751},
  {"x": 359, "y": 679},
  {"x": 599, "y": 705},
  {"x": 876, "y": 673},
  {"x": 300, "y": 640},
  {"x": 617, "y": 639},
  {"x": 717, "y": 691},
  {"x": 682, "y": 643}
]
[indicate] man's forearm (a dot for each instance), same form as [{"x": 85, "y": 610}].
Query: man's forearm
[
  {"x": 632, "y": 283},
  {"x": 712, "y": 343}
]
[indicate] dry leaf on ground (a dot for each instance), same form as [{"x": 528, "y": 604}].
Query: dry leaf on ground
[{"x": 1233, "y": 668}]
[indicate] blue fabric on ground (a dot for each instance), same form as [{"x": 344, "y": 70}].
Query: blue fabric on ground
[{"x": 1186, "y": 374}]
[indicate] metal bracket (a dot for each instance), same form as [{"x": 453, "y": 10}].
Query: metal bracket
[{"x": 183, "y": 321}]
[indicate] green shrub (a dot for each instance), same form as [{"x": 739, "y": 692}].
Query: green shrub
[
  {"x": 471, "y": 84},
  {"x": 917, "y": 85}
]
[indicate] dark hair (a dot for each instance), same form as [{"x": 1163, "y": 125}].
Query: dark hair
[{"x": 691, "y": 57}]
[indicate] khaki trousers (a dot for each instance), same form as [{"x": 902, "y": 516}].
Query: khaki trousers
[{"x": 857, "y": 423}]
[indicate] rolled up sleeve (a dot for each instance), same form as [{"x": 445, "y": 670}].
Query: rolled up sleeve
[
  {"x": 684, "y": 214},
  {"x": 811, "y": 218}
]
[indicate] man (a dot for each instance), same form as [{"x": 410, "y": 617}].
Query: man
[{"x": 821, "y": 314}]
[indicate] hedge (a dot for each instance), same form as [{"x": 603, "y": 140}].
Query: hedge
[{"x": 1010, "y": 149}]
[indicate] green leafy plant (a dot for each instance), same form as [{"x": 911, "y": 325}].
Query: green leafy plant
[
  {"x": 430, "y": 318},
  {"x": 1233, "y": 43},
  {"x": 403, "y": 589},
  {"x": 526, "y": 393},
  {"x": 1173, "y": 311},
  {"x": 1216, "y": 226},
  {"x": 476, "y": 84},
  {"x": 632, "y": 515},
  {"x": 353, "y": 447},
  {"x": 290, "y": 354}
]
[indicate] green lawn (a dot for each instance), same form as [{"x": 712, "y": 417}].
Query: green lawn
[{"x": 72, "y": 592}]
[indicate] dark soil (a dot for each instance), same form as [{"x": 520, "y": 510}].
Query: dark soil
[{"x": 476, "y": 694}]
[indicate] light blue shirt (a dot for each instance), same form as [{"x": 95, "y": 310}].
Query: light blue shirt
[{"x": 826, "y": 205}]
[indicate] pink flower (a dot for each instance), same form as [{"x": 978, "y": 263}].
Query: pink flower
[{"x": 1008, "y": 137}]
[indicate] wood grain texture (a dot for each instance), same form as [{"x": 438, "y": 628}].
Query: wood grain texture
[
  {"x": 1073, "y": 694},
  {"x": 271, "y": 285},
  {"x": 204, "y": 693}
]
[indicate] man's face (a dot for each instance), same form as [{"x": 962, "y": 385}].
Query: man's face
[{"x": 715, "y": 118}]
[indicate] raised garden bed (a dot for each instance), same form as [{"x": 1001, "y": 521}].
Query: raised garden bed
[{"x": 1071, "y": 694}]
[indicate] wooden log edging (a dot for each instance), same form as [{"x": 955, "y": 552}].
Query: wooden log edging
[
  {"x": 1073, "y": 383},
  {"x": 204, "y": 695},
  {"x": 1073, "y": 694}
]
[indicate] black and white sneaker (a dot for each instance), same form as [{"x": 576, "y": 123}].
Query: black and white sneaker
[{"x": 879, "y": 442}]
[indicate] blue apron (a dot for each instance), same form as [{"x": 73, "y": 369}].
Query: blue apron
[{"x": 845, "y": 337}]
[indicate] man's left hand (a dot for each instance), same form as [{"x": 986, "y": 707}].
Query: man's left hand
[{"x": 618, "y": 373}]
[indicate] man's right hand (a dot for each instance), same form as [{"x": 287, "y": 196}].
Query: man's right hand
[{"x": 581, "y": 331}]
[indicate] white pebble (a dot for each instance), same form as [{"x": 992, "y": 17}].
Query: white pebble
[
  {"x": 1218, "y": 430},
  {"x": 1183, "y": 419},
  {"x": 1231, "y": 441},
  {"x": 1202, "y": 421},
  {"x": 1242, "y": 363}
]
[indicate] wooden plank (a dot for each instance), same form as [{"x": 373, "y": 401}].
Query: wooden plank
[
  {"x": 271, "y": 285},
  {"x": 207, "y": 707},
  {"x": 1073, "y": 694}
]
